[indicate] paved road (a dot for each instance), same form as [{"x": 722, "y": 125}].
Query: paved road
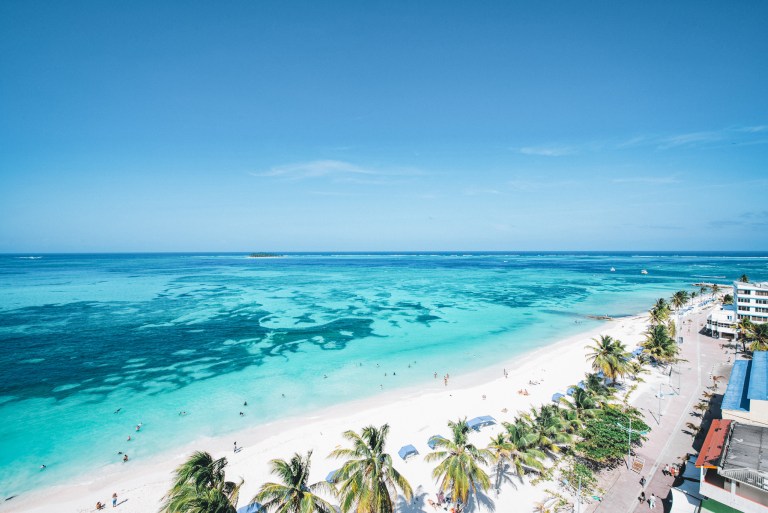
[{"x": 667, "y": 443}]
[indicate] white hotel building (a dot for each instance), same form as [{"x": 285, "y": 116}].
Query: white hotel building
[{"x": 750, "y": 301}]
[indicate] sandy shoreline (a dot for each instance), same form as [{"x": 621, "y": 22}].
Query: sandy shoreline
[{"x": 413, "y": 413}]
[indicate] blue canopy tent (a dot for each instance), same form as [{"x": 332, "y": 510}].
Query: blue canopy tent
[
  {"x": 556, "y": 397},
  {"x": 637, "y": 351},
  {"x": 331, "y": 476},
  {"x": 407, "y": 451},
  {"x": 433, "y": 440},
  {"x": 479, "y": 422},
  {"x": 250, "y": 508}
]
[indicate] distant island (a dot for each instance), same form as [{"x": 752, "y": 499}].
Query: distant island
[{"x": 264, "y": 255}]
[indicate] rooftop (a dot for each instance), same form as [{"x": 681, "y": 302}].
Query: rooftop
[
  {"x": 747, "y": 449},
  {"x": 735, "y": 397},
  {"x": 710, "y": 453},
  {"x": 758, "y": 379}
]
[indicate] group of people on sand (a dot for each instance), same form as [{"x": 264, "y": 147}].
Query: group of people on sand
[
  {"x": 444, "y": 502},
  {"x": 523, "y": 391}
]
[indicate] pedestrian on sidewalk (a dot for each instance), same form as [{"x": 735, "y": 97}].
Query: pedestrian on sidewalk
[
  {"x": 665, "y": 470},
  {"x": 642, "y": 481},
  {"x": 642, "y": 497},
  {"x": 652, "y": 501}
]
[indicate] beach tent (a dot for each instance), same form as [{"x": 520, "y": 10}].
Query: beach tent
[
  {"x": 331, "y": 475},
  {"x": 250, "y": 508},
  {"x": 407, "y": 451},
  {"x": 478, "y": 422},
  {"x": 572, "y": 389},
  {"x": 556, "y": 397},
  {"x": 433, "y": 440},
  {"x": 637, "y": 351}
]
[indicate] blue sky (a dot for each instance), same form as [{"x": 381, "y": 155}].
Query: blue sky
[{"x": 292, "y": 126}]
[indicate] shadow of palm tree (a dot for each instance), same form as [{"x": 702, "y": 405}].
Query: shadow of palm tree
[
  {"x": 417, "y": 505},
  {"x": 505, "y": 477},
  {"x": 481, "y": 499}
]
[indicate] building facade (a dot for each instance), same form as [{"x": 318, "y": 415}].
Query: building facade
[{"x": 751, "y": 301}]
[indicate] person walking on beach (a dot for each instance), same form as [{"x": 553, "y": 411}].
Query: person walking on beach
[{"x": 114, "y": 500}]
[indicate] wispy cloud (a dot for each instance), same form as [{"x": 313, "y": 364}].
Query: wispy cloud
[
  {"x": 751, "y": 219},
  {"x": 338, "y": 171},
  {"x": 651, "y": 180},
  {"x": 481, "y": 192},
  {"x": 531, "y": 185},
  {"x": 689, "y": 139},
  {"x": 314, "y": 169},
  {"x": 547, "y": 151}
]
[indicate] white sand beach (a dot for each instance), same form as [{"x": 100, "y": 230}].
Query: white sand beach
[{"x": 414, "y": 414}]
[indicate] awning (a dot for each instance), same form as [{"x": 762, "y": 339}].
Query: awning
[
  {"x": 691, "y": 488},
  {"x": 683, "y": 503},
  {"x": 478, "y": 422},
  {"x": 712, "y": 506},
  {"x": 433, "y": 439},
  {"x": 556, "y": 397},
  {"x": 691, "y": 472},
  {"x": 407, "y": 451}
]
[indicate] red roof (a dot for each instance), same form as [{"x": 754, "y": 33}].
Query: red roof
[{"x": 710, "y": 453}]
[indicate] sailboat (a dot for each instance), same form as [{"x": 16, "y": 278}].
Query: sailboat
[
  {"x": 643, "y": 272},
  {"x": 613, "y": 269}
]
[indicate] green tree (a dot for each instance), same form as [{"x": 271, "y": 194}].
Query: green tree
[
  {"x": 758, "y": 337},
  {"x": 745, "y": 327},
  {"x": 659, "y": 313},
  {"x": 548, "y": 428},
  {"x": 199, "y": 486},
  {"x": 679, "y": 299},
  {"x": 659, "y": 346},
  {"x": 609, "y": 356},
  {"x": 368, "y": 482},
  {"x": 605, "y": 437},
  {"x": 460, "y": 469},
  {"x": 293, "y": 494},
  {"x": 744, "y": 278}
]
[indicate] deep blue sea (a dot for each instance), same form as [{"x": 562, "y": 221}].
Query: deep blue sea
[{"x": 155, "y": 334}]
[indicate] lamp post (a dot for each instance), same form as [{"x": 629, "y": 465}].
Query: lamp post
[{"x": 629, "y": 437}]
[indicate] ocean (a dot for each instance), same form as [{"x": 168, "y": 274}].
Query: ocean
[{"x": 94, "y": 345}]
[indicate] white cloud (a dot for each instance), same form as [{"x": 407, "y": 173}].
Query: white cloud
[
  {"x": 315, "y": 169},
  {"x": 654, "y": 180},
  {"x": 547, "y": 151}
]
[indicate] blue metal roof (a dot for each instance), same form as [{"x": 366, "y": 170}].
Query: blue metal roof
[
  {"x": 758, "y": 376},
  {"x": 735, "y": 397}
]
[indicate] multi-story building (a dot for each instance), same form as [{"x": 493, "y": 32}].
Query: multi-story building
[
  {"x": 723, "y": 323},
  {"x": 734, "y": 467},
  {"x": 751, "y": 301}
]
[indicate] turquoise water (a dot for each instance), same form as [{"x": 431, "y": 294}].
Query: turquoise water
[{"x": 153, "y": 335}]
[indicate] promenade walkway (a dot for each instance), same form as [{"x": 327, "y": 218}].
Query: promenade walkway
[{"x": 667, "y": 416}]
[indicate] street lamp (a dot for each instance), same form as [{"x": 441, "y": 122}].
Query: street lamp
[{"x": 629, "y": 437}]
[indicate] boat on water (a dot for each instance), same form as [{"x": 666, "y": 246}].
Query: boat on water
[
  {"x": 643, "y": 272},
  {"x": 613, "y": 269}
]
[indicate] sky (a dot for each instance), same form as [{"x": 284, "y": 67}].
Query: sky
[{"x": 383, "y": 126}]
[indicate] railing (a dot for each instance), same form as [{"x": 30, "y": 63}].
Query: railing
[{"x": 747, "y": 476}]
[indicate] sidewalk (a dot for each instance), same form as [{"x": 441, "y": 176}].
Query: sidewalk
[{"x": 667, "y": 443}]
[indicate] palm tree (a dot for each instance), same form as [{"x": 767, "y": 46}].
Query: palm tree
[
  {"x": 745, "y": 327},
  {"x": 659, "y": 312},
  {"x": 523, "y": 457},
  {"x": 744, "y": 278},
  {"x": 679, "y": 299},
  {"x": 715, "y": 289},
  {"x": 368, "y": 482},
  {"x": 609, "y": 355},
  {"x": 659, "y": 345},
  {"x": 550, "y": 432},
  {"x": 200, "y": 486},
  {"x": 759, "y": 337},
  {"x": 292, "y": 494},
  {"x": 459, "y": 471}
]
